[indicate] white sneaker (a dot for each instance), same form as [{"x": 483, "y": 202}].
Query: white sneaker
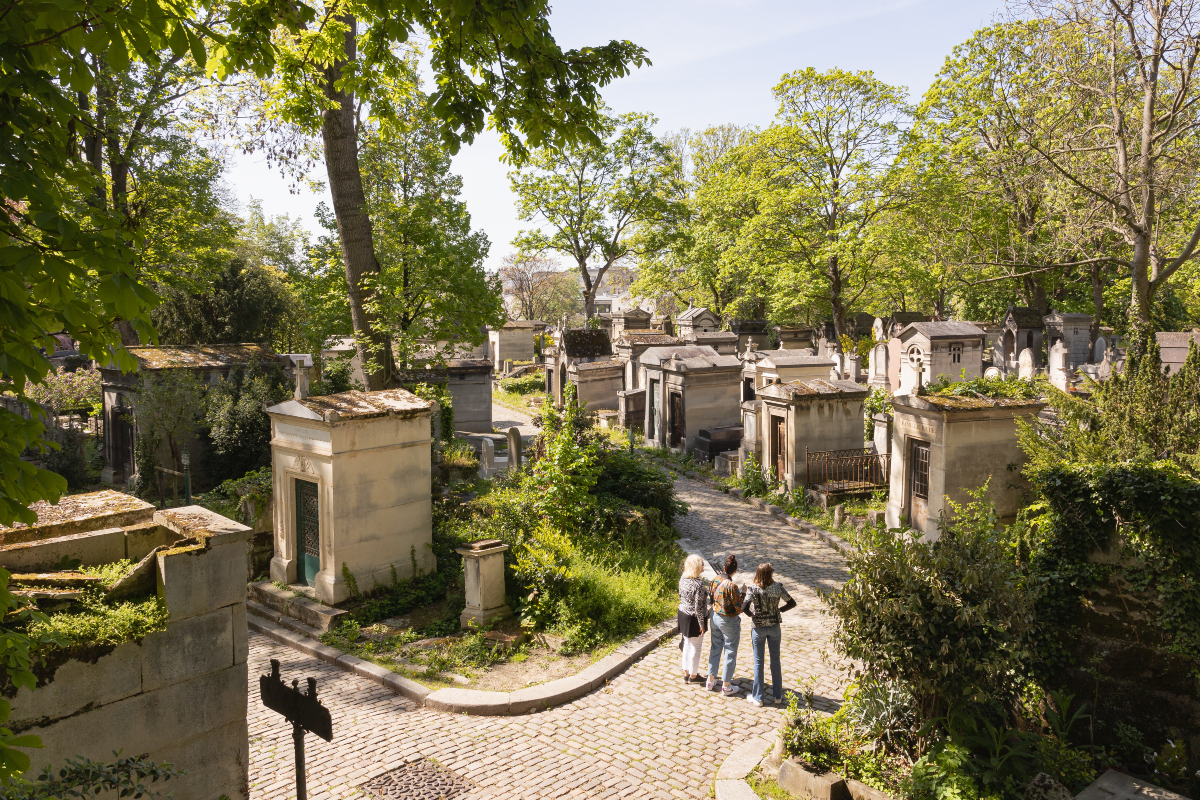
[{"x": 753, "y": 702}]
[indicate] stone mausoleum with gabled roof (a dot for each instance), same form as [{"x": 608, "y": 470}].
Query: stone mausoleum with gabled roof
[{"x": 352, "y": 478}]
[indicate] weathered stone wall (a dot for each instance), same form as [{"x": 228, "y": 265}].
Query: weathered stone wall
[
  {"x": 178, "y": 695},
  {"x": 472, "y": 396}
]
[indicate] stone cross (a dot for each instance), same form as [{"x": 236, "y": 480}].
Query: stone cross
[
  {"x": 514, "y": 448},
  {"x": 1025, "y": 365},
  {"x": 1058, "y": 366}
]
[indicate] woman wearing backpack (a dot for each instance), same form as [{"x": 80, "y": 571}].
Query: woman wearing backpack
[{"x": 726, "y": 630}]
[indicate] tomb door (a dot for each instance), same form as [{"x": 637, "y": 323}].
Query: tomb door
[
  {"x": 779, "y": 446},
  {"x": 919, "y": 484},
  {"x": 676, "y": 419},
  {"x": 308, "y": 532},
  {"x": 561, "y": 395}
]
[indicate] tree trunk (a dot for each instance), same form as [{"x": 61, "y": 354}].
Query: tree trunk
[
  {"x": 1143, "y": 288},
  {"x": 1098, "y": 303},
  {"x": 835, "y": 300},
  {"x": 339, "y": 136}
]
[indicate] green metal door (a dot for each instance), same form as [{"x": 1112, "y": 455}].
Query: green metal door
[{"x": 308, "y": 537}]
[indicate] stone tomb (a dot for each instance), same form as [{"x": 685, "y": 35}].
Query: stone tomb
[
  {"x": 513, "y": 342},
  {"x": 795, "y": 338},
  {"x": 689, "y": 389},
  {"x": 696, "y": 319},
  {"x": 628, "y": 348},
  {"x": 1021, "y": 329},
  {"x": 469, "y": 382},
  {"x": 597, "y": 383},
  {"x": 178, "y": 695},
  {"x": 944, "y": 446},
  {"x": 578, "y": 346},
  {"x": 763, "y": 367},
  {"x": 1074, "y": 331},
  {"x": 933, "y": 349},
  {"x": 351, "y": 489},
  {"x": 629, "y": 321},
  {"x": 750, "y": 330},
  {"x": 807, "y": 415}
]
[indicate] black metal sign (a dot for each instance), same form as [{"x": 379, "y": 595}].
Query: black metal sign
[{"x": 303, "y": 710}]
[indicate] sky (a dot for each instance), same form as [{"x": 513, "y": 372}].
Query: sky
[{"x": 714, "y": 61}]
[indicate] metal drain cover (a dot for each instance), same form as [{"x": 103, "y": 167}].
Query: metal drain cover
[{"x": 418, "y": 780}]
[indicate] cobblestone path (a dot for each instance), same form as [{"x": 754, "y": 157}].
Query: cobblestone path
[{"x": 645, "y": 735}]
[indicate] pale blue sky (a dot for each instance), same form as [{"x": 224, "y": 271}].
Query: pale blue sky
[{"x": 715, "y": 61}]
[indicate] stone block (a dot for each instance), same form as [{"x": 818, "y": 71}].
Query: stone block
[
  {"x": 198, "y": 520},
  {"x": 364, "y": 669},
  {"x": 860, "y": 791},
  {"x": 196, "y": 581},
  {"x": 409, "y": 688},
  {"x": 547, "y": 695},
  {"x": 269, "y": 595},
  {"x": 734, "y": 790},
  {"x": 742, "y": 761},
  {"x": 794, "y": 778},
  {"x": 469, "y": 701},
  {"x": 143, "y": 538},
  {"x": 92, "y": 548},
  {"x": 1113, "y": 785},
  {"x": 603, "y": 670},
  {"x": 316, "y": 615},
  {"x": 241, "y": 645},
  {"x": 216, "y": 762},
  {"x": 188, "y": 648},
  {"x": 78, "y": 684},
  {"x": 179, "y": 712}
]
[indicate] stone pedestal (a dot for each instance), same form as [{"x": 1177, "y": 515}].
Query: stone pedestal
[{"x": 483, "y": 566}]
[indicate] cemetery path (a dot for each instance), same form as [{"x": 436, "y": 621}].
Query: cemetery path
[
  {"x": 504, "y": 418},
  {"x": 645, "y": 735}
]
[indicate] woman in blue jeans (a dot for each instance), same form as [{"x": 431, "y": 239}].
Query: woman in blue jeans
[
  {"x": 726, "y": 630},
  {"x": 762, "y": 605}
]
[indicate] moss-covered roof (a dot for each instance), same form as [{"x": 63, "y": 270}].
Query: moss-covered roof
[
  {"x": 650, "y": 339},
  {"x": 78, "y": 513},
  {"x": 586, "y": 343},
  {"x": 203, "y": 356},
  {"x": 355, "y": 405},
  {"x": 959, "y": 403}
]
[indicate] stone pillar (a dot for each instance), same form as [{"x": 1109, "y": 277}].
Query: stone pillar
[
  {"x": 483, "y": 567},
  {"x": 487, "y": 457},
  {"x": 515, "y": 446},
  {"x": 854, "y": 368}
]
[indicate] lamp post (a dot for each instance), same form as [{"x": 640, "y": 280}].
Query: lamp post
[{"x": 187, "y": 477}]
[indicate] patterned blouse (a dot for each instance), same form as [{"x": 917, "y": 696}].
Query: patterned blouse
[
  {"x": 693, "y": 598},
  {"x": 766, "y": 602},
  {"x": 727, "y": 598}
]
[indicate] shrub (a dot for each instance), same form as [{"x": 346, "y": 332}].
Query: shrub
[
  {"x": 227, "y": 498},
  {"x": 69, "y": 458},
  {"x": 752, "y": 482},
  {"x": 95, "y": 622},
  {"x": 525, "y": 384},
  {"x": 945, "y": 619},
  {"x": 239, "y": 429},
  {"x": 337, "y": 376},
  {"x": 64, "y": 390},
  {"x": 460, "y": 455},
  {"x": 640, "y": 483},
  {"x": 81, "y": 777}
]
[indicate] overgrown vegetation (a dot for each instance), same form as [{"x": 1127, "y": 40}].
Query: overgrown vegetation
[
  {"x": 239, "y": 431},
  {"x": 1010, "y": 387},
  {"x": 524, "y": 384},
  {"x": 93, "y": 621},
  {"x": 226, "y": 499}
]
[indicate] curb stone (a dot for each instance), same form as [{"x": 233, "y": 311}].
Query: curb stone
[
  {"x": 730, "y": 783},
  {"x": 476, "y": 702}
]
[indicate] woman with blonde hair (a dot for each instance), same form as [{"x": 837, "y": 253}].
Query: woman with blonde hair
[{"x": 693, "y": 616}]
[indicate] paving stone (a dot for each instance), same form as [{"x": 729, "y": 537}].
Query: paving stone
[{"x": 644, "y": 734}]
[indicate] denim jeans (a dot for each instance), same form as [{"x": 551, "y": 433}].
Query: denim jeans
[
  {"x": 726, "y": 633},
  {"x": 760, "y": 640}
]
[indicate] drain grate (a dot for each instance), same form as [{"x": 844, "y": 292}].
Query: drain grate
[{"x": 418, "y": 780}]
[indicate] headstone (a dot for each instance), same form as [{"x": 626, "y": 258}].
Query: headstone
[
  {"x": 993, "y": 372},
  {"x": 839, "y": 364},
  {"x": 878, "y": 368},
  {"x": 877, "y": 330},
  {"x": 882, "y": 433},
  {"x": 1100, "y": 349},
  {"x": 839, "y": 515},
  {"x": 487, "y": 457},
  {"x": 301, "y": 383},
  {"x": 1057, "y": 367},
  {"x": 835, "y": 374},
  {"x": 854, "y": 367},
  {"x": 515, "y": 446},
  {"x": 1025, "y": 365}
]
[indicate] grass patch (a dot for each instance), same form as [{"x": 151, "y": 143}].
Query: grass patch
[
  {"x": 767, "y": 787},
  {"x": 91, "y": 621}
]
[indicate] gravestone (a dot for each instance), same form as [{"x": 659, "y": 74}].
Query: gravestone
[
  {"x": 839, "y": 364},
  {"x": 483, "y": 573},
  {"x": 1057, "y": 367},
  {"x": 877, "y": 330},
  {"x": 1025, "y": 365},
  {"x": 854, "y": 368},
  {"x": 515, "y": 446},
  {"x": 993, "y": 372},
  {"x": 879, "y": 367},
  {"x": 1100, "y": 349},
  {"x": 487, "y": 457},
  {"x": 835, "y": 374}
]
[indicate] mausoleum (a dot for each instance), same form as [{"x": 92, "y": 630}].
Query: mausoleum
[
  {"x": 1074, "y": 331},
  {"x": 944, "y": 446},
  {"x": 930, "y": 350},
  {"x": 352, "y": 479},
  {"x": 689, "y": 388}
]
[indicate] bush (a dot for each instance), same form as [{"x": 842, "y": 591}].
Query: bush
[
  {"x": 239, "y": 429},
  {"x": 69, "y": 458},
  {"x": 460, "y": 455},
  {"x": 525, "y": 384},
  {"x": 227, "y": 498},
  {"x": 752, "y": 482},
  {"x": 640, "y": 483},
  {"x": 947, "y": 619},
  {"x": 337, "y": 376}
]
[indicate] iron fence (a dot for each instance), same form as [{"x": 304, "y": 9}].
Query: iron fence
[{"x": 846, "y": 470}]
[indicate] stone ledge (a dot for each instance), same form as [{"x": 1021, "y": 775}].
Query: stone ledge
[
  {"x": 734, "y": 790},
  {"x": 475, "y": 702},
  {"x": 742, "y": 761}
]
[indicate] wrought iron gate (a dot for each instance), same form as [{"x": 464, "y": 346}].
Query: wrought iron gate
[{"x": 308, "y": 532}]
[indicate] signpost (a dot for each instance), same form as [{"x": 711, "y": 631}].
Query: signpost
[{"x": 304, "y": 711}]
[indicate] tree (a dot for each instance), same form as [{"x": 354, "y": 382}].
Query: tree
[
  {"x": 820, "y": 178},
  {"x": 540, "y": 288},
  {"x": 239, "y": 431},
  {"x": 1119, "y": 101},
  {"x": 431, "y": 286},
  {"x": 243, "y": 304},
  {"x": 591, "y": 196},
  {"x": 492, "y": 66},
  {"x": 169, "y": 405}
]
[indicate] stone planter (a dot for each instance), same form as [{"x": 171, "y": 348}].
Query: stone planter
[{"x": 795, "y": 777}]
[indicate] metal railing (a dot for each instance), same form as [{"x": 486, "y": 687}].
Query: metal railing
[{"x": 846, "y": 470}]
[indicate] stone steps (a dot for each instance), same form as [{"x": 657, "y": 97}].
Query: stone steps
[
  {"x": 282, "y": 620},
  {"x": 289, "y": 604}
]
